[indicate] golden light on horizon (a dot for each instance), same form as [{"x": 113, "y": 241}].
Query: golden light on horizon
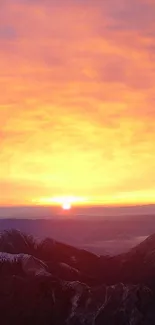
[
  {"x": 64, "y": 201},
  {"x": 122, "y": 198}
]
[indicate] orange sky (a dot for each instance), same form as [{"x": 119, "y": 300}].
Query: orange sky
[{"x": 77, "y": 100}]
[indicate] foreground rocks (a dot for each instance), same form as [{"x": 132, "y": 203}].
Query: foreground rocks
[
  {"x": 55, "y": 284},
  {"x": 44, "y": 301}
]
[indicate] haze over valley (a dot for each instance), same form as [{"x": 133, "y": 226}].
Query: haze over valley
[{"x": 102, "y": 230}]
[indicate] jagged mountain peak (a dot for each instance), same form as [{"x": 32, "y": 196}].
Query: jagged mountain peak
[{"x": 15, "y": 241}]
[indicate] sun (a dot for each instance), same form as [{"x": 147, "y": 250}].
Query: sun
[{"x": 66, "y": 206}]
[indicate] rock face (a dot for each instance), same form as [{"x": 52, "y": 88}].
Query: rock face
[
  {"x": 27, "y": 264},
  {"x": 43, "y": 300},
  {"x": 55, "y": 284},
  {"x": 14, "y": 241}
]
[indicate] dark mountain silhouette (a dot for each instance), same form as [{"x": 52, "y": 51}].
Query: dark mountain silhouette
[{"x": 51, "y": 283}]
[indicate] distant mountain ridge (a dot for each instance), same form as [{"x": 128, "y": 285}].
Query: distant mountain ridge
[{"x": 84, "y": 211}]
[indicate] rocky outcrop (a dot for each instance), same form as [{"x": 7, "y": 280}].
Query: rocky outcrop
[
  {"x": 14, "y": 242},
  {"x": 27, "y": 264}
]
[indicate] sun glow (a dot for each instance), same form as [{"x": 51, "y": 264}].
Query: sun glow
[{"x": 65, "y": 201}]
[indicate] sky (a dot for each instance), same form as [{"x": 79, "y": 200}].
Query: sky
[{"x": 77, "y": 101}]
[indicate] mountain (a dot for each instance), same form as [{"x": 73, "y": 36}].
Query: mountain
[
  {"x": 22, "y": 264},
  {"x": 50, "y": 283},
  {"x": 107, "y": 235},
  {"x": 43, "y": 301}
]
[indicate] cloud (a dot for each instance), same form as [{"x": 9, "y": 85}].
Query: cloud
[
  {"x": 7, "y": 32},
  {"x": 77, "y": 96}
]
